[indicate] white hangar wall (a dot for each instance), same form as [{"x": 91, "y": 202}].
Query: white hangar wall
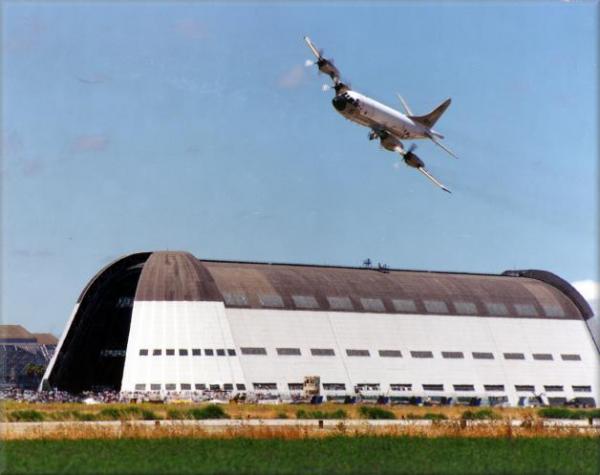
[{"x": 200, "y": 326}]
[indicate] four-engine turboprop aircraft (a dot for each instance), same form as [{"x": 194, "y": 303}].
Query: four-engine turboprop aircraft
[{"x": 386, "y": 124}]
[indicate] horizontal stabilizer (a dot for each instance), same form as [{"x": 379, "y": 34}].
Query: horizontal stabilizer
[{"x": 429, "y": 120}]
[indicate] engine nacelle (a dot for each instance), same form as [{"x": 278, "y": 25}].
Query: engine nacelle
[
  {"x": 413, "y": 161},
  {"x": 391, "y": 143}
]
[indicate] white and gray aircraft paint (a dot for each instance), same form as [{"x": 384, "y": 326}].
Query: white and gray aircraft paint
[{"x": 386, "y": 123}]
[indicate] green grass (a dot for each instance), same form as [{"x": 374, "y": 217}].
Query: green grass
[
  {"x": 566, "y": 413},
  {"x": 337, "y": 455},
  {"x": 374, "y": 412},
  {"x": 339, "y": 414}
]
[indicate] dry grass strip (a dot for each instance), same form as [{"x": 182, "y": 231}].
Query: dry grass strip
[{"x": 160, "y": 429}]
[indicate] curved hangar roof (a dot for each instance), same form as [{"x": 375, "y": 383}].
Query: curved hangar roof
[{"x": 179, "y": 276}]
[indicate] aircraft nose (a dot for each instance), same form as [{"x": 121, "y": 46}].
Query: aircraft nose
[{"x": 339, "y": 102}]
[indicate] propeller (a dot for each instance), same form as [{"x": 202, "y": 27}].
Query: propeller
[
  {"x": 326, "y": 87},
  {"x": 412, "y": 148}
]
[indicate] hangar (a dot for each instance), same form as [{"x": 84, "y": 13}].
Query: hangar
[{"x": 167, "y": 321}]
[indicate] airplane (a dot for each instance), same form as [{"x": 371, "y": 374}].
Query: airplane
[{"x": 386, "y": 124}]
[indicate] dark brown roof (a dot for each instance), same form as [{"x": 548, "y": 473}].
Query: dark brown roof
[
  {"x": 15, "y": 332},
  {"x": 176, "y": 276},
  {"x": 45, "y": 338}
]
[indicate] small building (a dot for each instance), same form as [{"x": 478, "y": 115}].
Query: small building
[
  {"x": 22, "y": 355},
  {"x": 167, "y": 321}
]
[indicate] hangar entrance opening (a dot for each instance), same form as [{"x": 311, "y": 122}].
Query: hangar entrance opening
[{"x": 92, "y": 356}]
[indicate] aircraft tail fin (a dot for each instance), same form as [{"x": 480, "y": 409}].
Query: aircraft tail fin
[{"x": 429, "y": 120}]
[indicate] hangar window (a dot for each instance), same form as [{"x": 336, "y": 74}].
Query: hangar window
[
  {"x": 271, "y": 300},
  {"x": 288, "y": 351},
  {"x": 322, "y": 352},
  {"x": 433, "y": 387},
  {"x": 570, "y": 357},
  {"x": 140, "y": 387},
  {"x": 334, "y": 386},
  {"x": 221, "y": 352},
  {"x": 228, "y": 387},
  {"x": 265, "y": 386},
  {"x": 358, "y": 353},
  {"x": 372, "y": 305},
  {"x": 235, "y": 299},
  {"x": 526, "y": 310},
  {"x": 209, "y": 352},
  {"x": 493, "y": 387},
  {"x": 295, "y": 386},
  {"x": 170, "y": 352},
  {"x": 186, "y": 386},
  {"x": 465, "y": 308},
  {"x": 230, "y": 352},
  {"x": 183, "y": 352},
  {"x": 554, "y": 388},
  {"x": 542, "y": 356},
  {"x": 340, "y": 303},
  {"x": 497, "y": 309},
  {"x": 155, "y": 387},
  {"x": 214, "y": 387},
  {"x": 435, "y": 306},
  {"x": 305, "y": 301},
  {"x": 170, "y": 386},
  {"x": 240, "y": 387},
  {"x": 421, "y": 354},
  {"x": 367, "y": 387},
  {"x": 401, "y": 387},
  {"x": 514, "y": 356},
  {"x": 582, "y": 389},
  {"x": 553, "y": 310},
  {"x": 524, "y": 388},
  {"x": 143, "y": 352},
  {"x": 200, "y": 386},
  {"x": 464, "y": 387},
  {"x": 253, "y": 351},
  {"x": 156, "y": 352},
  {"x": 390, "y": 353},
  {"x": 196, "y": 351},
  {"x": 404, "y": 305},
  {"x": 457, "y": 355},
  {"x": 480, "y": 355}
]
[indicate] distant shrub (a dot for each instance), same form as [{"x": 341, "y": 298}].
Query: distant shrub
[
  {"x": 435, "y": 416},
  {"x": 482, "y": 414},
  {"x": 212, "y": 411},
  {"x": 83, "y": 416},
  {"x": 565, "y": 413},
  {"x": 149, "y": 415},
  {"x": 26, "y": 416},
  {"x": 176, "y": 414},
  {"x": 114, "y": 413},
  {"x": 339, "y": 414},
  {"x": 282, "y": 415},
  {"x": 369, "y": 412}
]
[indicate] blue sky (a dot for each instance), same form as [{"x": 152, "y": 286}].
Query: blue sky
[{"x": 196, "y": 126}]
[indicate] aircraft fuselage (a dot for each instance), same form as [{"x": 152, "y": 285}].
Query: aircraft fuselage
[{"x": 370, "y": 113}]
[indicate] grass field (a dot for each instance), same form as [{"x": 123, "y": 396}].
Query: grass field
[
  {"x": 79, "y": 411},
  {"x": 337, "y": 455}
]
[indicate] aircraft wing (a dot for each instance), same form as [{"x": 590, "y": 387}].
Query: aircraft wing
[
  {"x": 440, "y": 144},
  {"x": 325, "y": 65},
  {"x": 312, "y": 47},
  {"x": 433, "y": 179}
]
